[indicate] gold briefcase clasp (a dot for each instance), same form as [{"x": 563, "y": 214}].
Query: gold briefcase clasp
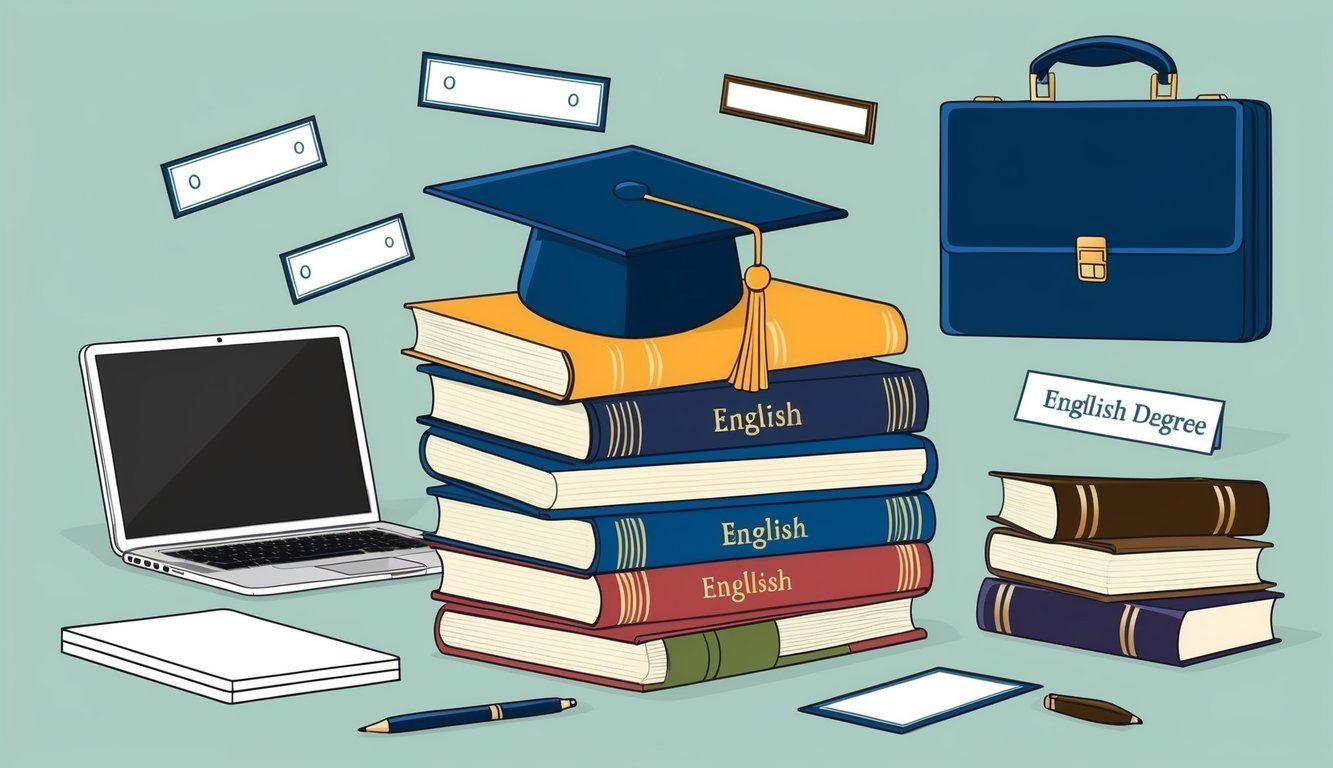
[{"x": 1091, "y": 253}]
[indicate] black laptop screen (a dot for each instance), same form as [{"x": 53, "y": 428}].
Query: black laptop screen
[{"x": 232, "y": 435}]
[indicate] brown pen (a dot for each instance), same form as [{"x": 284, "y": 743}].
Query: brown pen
[{"x": 1092, "y": 710}]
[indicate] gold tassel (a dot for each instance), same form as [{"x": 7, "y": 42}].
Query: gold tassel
[{"x": 750, "y": 373}]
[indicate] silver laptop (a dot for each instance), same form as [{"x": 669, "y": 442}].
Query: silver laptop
[{"x": 240, "y": 461}]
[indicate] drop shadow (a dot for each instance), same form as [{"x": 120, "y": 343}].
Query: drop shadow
[
  {"x": 1241, "y": 441},
  {"x": 94, "y": 539},
  {"x": 1290, "y": 636},
  {"x": 410, "y": 511},
  {"x": 1287, "y": 636}
]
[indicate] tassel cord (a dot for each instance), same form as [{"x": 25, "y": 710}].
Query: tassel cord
[{"x": 750, "y": 372}]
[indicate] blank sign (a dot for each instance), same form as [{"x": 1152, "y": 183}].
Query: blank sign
[
  {"x": 209, "y": 177},
  {"x": 799, "y": 108},
  {"x": 515, "y": 92}
]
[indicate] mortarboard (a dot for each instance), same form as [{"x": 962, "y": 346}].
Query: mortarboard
[{"x": 632, "y": 243}]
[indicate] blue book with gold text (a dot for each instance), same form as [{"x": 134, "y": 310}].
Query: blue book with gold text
[
  {"x": 627, "y": 539},
  {"x": 817, "y": 402}
]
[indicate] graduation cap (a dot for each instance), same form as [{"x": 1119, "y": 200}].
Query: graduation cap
[{"x": 632, "y": 243}]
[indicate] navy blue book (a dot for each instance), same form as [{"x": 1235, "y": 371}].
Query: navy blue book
[
  {"x": 630, "y": 540},
  {"x": 817, "y": 402},
  {"x": 1178, "y": 631},
  {"x": 885, "y": 465}
]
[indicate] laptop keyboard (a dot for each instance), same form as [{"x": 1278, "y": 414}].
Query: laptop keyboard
[{"x": 297, "y": 548}]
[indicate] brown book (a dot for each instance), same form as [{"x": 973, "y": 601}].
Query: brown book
[
  {"x": 1065, "y": 508},
  {"x": 1117, "y": 570}
]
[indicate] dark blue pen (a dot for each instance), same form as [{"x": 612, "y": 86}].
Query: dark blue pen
[{"x": 484, "y": 713}]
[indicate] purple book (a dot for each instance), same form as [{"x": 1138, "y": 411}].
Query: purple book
[{"x": 1178, "y": 631}]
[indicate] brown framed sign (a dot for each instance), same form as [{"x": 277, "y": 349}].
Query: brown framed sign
[{"x": 807, "y": 110}]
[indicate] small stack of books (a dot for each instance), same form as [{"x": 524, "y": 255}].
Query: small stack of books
[
  {"x": 1151, "y": 569},
  {"x": 612, "y": 510}
]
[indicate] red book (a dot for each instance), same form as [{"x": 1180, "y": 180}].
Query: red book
[
  {"x": 751, "y": 587},
  {"x": 663, "y": 655}
]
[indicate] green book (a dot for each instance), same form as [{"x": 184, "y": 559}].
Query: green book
[{"x": 649, "y": 657}]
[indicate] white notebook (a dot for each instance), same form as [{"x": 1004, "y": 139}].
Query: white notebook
[{"x": 228, "y": 656}]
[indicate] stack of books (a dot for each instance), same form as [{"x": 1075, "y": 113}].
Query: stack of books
[
  {"x": 612, "y": 510},
  {"x": 1152, "y": 569}
]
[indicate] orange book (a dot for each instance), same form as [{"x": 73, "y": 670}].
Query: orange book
[{"x": 497, "y": 337}]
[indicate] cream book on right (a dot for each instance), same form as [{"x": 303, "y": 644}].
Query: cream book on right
[{"x": 228, "y": 656}]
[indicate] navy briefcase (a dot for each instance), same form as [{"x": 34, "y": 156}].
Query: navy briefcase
[{"x": 1137, "y": 219}]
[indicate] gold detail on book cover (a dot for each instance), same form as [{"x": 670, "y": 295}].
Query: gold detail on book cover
[
  {"x": 635, "y": 601},
  {"x": 1096, "y": 511},
  {"x": 638, "y": 430},
  {"x": 912, "y": 384},
  {"x": 1129, "y": 619},
  {"x": 1082, "y": 511},
  {"x": 995, "y": 609},
  {"x": 625, "y": 427},
  {"x": 1226, "y": 510},
  {"x": 904, "y": 570},
  {"x": 904, "y": 396},
  {"x": 630, "y": 430},
  {"x": 779, "y": 338},
  {"x": 890, "y": 332},
  {"x": 612, "y": 439},
  {"x": 1004, "y": 614},
  {"x": 655, "y": 367},
  {"x": 909, "y": 568},
  {"x": 1003, "y": 598}
]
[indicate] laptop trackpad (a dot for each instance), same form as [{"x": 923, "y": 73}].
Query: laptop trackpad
[{"x": 377, "y": 565}]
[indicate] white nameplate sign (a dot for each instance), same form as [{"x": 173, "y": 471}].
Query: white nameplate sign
[
  {"x": 345, "y": 258},
  {"x": 209, "y": 177},
  {"x": 1129, "y": 413},
  {"x": 515, "y": 92},
  {"x": 808, "y": 110}
]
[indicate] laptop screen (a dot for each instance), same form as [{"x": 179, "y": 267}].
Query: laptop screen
[{"x": 235, "y": 435}]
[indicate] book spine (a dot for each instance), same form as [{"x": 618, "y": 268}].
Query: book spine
[
  {"x": 1087, "y": 509},
  {"x": 1121, "y": 629},
  {"x": 682, "y": 538},
  {"x": 712, "y": 655},
  {"x": 737, "y": 586},
  {"x": 788, "y": 412},
  {"x": 805, "y": 327}
]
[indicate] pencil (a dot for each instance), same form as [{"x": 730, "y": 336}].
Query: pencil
[{"x": 1092, "y": 710}]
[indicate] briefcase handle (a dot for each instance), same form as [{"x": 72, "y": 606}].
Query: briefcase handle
[{"x": 1103, "y": 51}]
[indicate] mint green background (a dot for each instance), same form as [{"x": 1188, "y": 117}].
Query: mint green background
[{"x": 95, "y": 97}]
